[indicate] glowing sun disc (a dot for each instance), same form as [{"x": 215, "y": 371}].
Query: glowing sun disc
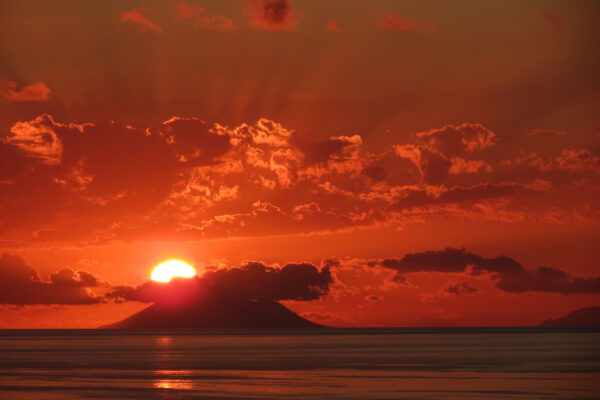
[{"x": 168, "y": 270}]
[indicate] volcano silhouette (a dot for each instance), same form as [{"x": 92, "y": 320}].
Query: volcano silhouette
[{"x": 215, "y": 313}]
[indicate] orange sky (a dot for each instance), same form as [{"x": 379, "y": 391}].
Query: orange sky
[{"x": 402, "y": 145}]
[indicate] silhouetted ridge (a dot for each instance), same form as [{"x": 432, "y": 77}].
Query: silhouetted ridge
[
  {"x": 589, "y": 316},
  {"x": 214, "y": 313}
]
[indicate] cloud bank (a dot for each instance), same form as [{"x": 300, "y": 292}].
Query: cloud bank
[
  {"x": 507, "y": 274},
  {"x": 21, "y": 284},
  {"x": 253, "y": 281},
  {"x": 187, "y": 179}
]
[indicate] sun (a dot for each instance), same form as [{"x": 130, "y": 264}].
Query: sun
[{"x": 170, "y": 269}]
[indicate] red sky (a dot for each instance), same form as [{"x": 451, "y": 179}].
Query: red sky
[{"x": 440, "y": 161}]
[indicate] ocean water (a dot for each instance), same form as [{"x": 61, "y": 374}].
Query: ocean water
[{"x": 515, "y": 363}]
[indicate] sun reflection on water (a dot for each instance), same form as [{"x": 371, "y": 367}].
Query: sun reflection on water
[
  {"x": 163, "y": 340},
  {"x": 171, "y": 379}
]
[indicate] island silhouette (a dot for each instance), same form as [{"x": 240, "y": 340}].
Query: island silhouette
[
  {"x": 215, "y": 312},
  {"x": 582, "y": 317},
  {"x": 220, "y": 312}
]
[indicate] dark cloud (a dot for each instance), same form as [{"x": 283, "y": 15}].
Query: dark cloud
[
  {"x": 452, "y": 289},
  {"x": 478, "y": 192},
  {"x": 437, "y": 153},
  {"x": 507, "y": 274},
  {"x": 271, "y": 14},
  {"x": 546, "y": 279},
  {"x": 276, "y": 11},
  {"x": 75, "y": 168},
  {"x": 434, "y": 167},
  {"x": 254, "y": 281},
  {"x": 392, "y": 169},
  {"x": 459, "y": 289},
  {"x": 450, "y": 260},
  {"x": 194, "y": 141},
  {"x": 417, "y": 197},
  {"x": 332, "y": 148},
  {"x": 375, "y": 173},
  {"x": 21, "y": 284}
]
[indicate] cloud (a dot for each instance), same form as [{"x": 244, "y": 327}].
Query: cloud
[
  {"x": 433, "y": 166},
  {"x": 508, "y": 274},
  {"x": 574, "y": 161},
  {"x": 462, "y": 166},
  {"x": 144, "y": 24},
  {"x": 70, "y": 169},
  {"x": 194, "y": 141},
  {"x": 416, "y": 197},
  {"x": 395, "y": 22},
  {"x": 186, "y": 179},
  {"x": 252, "y": 280},
  {"x": 459, "y": 289},
  {"x": 577, "y": 160},
  {"x": 546, "y": 279},
  {"x": 20, "y": 284},
  {"x": 450, "y": 290},
  {"x": 436, "y": 152},
  {"x": 375, "y": 172},
  {"x": 322, "y": 151},
  {"x": 203, "y": 19},
  {"x": 460, "y": 139},
  {"x": 271, "y": 14},
  {"x": 553, "y": 19},
  {"x": 37, "y": 91},
  {"x": 37, "y": 139},
  {"x": 332, "y": 26}
]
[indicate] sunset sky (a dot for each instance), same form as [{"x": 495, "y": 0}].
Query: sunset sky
[{"x": 416, "y": 162}]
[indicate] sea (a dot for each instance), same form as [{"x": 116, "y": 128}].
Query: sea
[{"x": 436, "y": 363}]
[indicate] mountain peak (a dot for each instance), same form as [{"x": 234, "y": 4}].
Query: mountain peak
[{"x": 214, "y": 313}]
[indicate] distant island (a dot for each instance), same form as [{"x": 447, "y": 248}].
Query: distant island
[
  {"x": 589, "y": 316},
  {"x": 215, "y": 313},
  {"x": 221, "y": 312}
]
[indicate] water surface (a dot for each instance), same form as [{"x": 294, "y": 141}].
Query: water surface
[{"x": 517, "y": 363}]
